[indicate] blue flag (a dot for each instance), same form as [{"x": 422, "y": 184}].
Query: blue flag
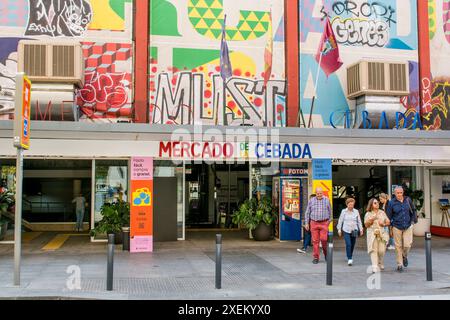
[{"x": 225, "y": 64}]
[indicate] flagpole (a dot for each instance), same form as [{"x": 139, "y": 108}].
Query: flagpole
[{"x": 315, "y": 90}]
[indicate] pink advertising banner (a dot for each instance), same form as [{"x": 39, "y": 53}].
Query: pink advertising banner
[
  {"x": 141, "y": 204},
  {"x": 141, "y": 244},
  {"x": 142, "y": 168}
]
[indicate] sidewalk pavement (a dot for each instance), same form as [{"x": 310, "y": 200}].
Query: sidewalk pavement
[{"x": 251, "y": 270}]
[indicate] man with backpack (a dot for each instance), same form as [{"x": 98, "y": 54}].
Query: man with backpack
[{"x": 402, "y": 214}]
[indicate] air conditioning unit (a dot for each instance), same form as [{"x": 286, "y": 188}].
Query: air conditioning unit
[
  {"x": 60, "y": 62},
  {"x": 376, "y": 78}
]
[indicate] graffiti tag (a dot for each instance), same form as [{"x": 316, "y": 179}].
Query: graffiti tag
[
  {"x": 364, "y": 32},
  {"x": 184, "y": 103},
  {"x": 103, "y": 91},
  {"x": 57, "y": 18},
  {"x": 376, "y": 10}
]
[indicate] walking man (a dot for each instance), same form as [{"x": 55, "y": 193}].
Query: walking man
[
  {"x": 80, "y": 203},
  {"x": 317, "y": 219},
  {"x": 402, "y": 213}
]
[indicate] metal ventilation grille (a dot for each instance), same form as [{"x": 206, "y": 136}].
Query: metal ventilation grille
[
  {"x": 35, "y": 60},
  {"x": 353, "y": 79},
  {"x": 376, "y": 76},
  {"x": 63, "y": 57},
  {"x": 397, "y": 73}
]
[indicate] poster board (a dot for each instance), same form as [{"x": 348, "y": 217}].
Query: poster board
[
  {"x": 290, "y": 208},
  {"x": 141, "y": 205},
  {"x": 323, "y": 178}
]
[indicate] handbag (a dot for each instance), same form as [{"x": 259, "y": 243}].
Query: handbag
[{"x": 355, "y": 233}]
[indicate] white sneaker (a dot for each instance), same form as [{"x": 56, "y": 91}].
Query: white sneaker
[
  {"x": 350, "y": 262},
  {"x": 391, "y": 248},
  {"x": 300, "y": 250}
]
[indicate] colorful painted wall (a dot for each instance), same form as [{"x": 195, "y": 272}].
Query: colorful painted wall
[
  {"x": 185, "y": 86},
  {"x": 381, "y": 30},
  {"x": 104, "y": 27},
  {"x": 437, "y": 101}
]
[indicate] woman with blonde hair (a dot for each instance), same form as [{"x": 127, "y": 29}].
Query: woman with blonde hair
[
  {"x": 377, "y": 237},
  {"x": 384, "y": 200}
]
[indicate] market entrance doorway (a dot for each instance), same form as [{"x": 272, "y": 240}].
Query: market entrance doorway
[
  {"x": 359, "y": 182},
  {"x": 213, "y": 193},
  {"x": 49, "y": 188}
]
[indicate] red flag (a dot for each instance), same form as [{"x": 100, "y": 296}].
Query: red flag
[{"x": 329, "y": 50}]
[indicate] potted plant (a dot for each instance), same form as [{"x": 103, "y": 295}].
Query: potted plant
[
  {"x": 111, "y": 222},
  {"x": 123, "y": 209},
  {"x": 258, "y": 216},
  {"x": 423, "y": 224},
  {"x": 7, "y": 200}
]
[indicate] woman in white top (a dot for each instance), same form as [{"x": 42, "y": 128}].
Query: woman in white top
[{"x": 350, "y": 223}]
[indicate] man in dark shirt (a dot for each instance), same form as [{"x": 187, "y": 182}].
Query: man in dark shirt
[{"x": 402, "y": 213}]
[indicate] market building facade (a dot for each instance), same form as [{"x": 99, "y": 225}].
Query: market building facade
[{"x": 116, "y": 83}]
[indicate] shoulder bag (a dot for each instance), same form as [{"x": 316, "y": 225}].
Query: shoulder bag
[{"x": 355, "y": 232}]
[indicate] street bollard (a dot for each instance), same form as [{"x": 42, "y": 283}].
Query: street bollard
[
  {"x": 109, "y": 272},
  {"x": 126, "y": 239},
  {"x": 218, "y": 261},
  {"x": 330, "y": 260},
  {"x": 428, "y": 256}
]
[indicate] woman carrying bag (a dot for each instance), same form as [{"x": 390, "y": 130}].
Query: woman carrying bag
[
  {"x": 350, "y": 223},
  {"x": 375, "y": 221},
  {"x": 384, "y": 200}
]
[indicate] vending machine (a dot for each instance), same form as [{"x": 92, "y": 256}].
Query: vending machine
[{"x": 293, "y": 196}]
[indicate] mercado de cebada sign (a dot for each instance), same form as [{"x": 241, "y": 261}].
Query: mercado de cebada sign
[
  {"x": 366, "y": 122},
  {"x": 230, "y": 150}
]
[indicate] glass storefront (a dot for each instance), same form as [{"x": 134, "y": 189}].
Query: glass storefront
[
  {"x": 7, "y": 174},
  {"x": 111, "y": 184},
  {"x": 404, "y": 177},
  {"x": 440, "y": 197}
]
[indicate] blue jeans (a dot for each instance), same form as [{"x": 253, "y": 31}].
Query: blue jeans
[
  {"x": 306, "y": 239},
  {"x": 80, "y": 217},
  {"x": 349, "y": 244}
]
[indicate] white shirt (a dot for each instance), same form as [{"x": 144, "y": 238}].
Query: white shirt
[
  {"x": 79, "y": 203},
  {"x": 349, "y": 221}
]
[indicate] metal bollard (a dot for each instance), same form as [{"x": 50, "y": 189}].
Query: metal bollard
[
  {"x": 110, "y": 267},
  {"x": 126, "y": 239},
  {"x": 428, "y": 256},
  {"x": 218, "y": 261},
  {"x": 330, "y": 260}
]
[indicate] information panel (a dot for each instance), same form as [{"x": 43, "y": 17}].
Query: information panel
[{"x": 141, "y": 206}]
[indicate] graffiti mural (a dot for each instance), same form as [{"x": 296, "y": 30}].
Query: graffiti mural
[
  {"x": 108, "y": 14},
  {"x": 184, "y": 81},
  {"x": 368, "y": 23},
  {"x": 206, "y": 17},
  {"x": 380, "y": 30},
  {"x": 437, "y": 98},
  {"x": 107, "y": 91},
  {"x": 58, "y": 18},
  {"x": 8, "y": 65}
]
